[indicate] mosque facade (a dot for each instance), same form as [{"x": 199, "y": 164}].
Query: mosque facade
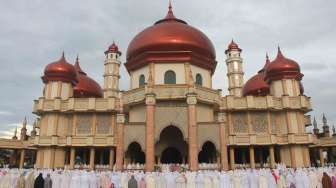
[{"x": 171, "y": 112}]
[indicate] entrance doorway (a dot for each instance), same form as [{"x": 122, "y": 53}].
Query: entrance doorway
[
  {"x": 171, "y": 147},
  {"x": 208, "y": 154},
  {"x": 134, "y": 154},
  {"x": 171, "y": 155}
]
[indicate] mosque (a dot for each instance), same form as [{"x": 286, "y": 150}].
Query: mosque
[{"x": 171, "y": 113}]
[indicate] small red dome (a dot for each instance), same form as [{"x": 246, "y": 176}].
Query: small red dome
[
  {"x": 60, "y": 70},
  {"x": 86, "y": 87},
  {"x": 281, "y": 68},
  {"x": 233, "y": 46},
  {"x": 256, "y": 85},
  {"x": 171, "y": 40},
  {"x": 113, "y": 48}
]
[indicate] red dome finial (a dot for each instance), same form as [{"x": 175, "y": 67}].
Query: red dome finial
[
  {"x": 233, "y": 46},
  {"x": 267, "y": 58},
  {"x": 170, "y": 14},
  {"x": 113, "y": 48},
  {"x": 170, "y": 6},
  {"x": 279, "y": 52},
  {"x": 77, "y": 66},
  {"x": 267, "y": 62}
]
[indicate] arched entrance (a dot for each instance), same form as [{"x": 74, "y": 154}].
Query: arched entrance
[
  {"x": 171, "y": 155},
  {"x": 171, "y": 147},
  {"x": 208, "y": 154},
  {"x": 134, "y": 154}
]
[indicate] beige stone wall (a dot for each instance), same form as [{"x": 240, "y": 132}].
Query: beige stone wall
[
  {"x": 204, "y": 113},
  {"x": 276, "y": 88},
  {"x": 59, "y": 158},
  {"x": 63, "y": 125},
  {"x": 206, "y": 75},
  {"x": 58, "y": 89},
  {"x": 285, "y": 155},
  {"x": 135, "y": 75},
  {"x": 161, "y": 68},
  {"x": 293, "y": 121},
  {"x": 282, "y": 123},
  {"x": 137, "y": 113}
]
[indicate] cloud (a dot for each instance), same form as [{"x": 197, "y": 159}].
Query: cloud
[{"x": 34, "y": 33}]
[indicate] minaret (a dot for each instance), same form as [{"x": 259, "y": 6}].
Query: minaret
[
  {"x": 315, "y": 130},
  {"x": 111, "y": 73},
  {"x": 15, "y": 132},
  {"x": 23, "y": 135},
  {"x": 334, "y": 130},
  {"x": 325, "y": 126},
  {"x": 235, "y": 73},
  {"x": 33, "y": 132}
]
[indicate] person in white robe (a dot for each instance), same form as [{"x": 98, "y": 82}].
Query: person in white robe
[
  {"x": 199, "y": 180},
  {"x": 75, "y": 180},
  {"x": 224, "y": 178}
]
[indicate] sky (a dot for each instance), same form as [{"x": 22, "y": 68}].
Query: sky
[{"x": 34, "y": 33}]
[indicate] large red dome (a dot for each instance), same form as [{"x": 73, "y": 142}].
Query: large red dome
[
  {"x": 60, "y": 70},
  {"x": 281, "y": 68},
  {"x": 171, "y": 40},
  {"x": 86, "y": 87}
]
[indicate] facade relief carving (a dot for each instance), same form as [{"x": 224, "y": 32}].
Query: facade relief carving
[
  {"x": 84, "y": 124},
  {"x": 259, "y": 122},
  {"x": 240, "y": 123},
  {"x": 135, "y": 134},
  {"x": 103, "y": 124},
  {"x": 176, "y": 116},
  {"x": 208, "y": 133}
]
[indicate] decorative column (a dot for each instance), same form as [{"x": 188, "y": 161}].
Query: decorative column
[
  {"x": 150, "y": 111},
  {"x": 92, "y": 158},
  {"x": 232, "y": 158},
  {"x": 22, "y": 156},
  {"x": 321, "y": 156},
  {"x": 120, "y": 144},
  {"x": 223, "y": 150},
  {"x": 272, "y": 159},
  {"x": 72, "y": 157},
  {"x": 292, "y": 155},
  {"x": 252, "y": 160},
  {"x": 192, "y": 130},
  {"x": 111, "y": 158}
]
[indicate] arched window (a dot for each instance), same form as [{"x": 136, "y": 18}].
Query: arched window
[
  {"x": 141, "y": 80},
  {"x": 199, "y": 79},
  {"x": 170, "y": 77}
]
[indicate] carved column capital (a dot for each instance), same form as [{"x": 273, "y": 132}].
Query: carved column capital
[
  {"x": 191, "y": 99},
  {"x": 120, "y": 118},
  {"x": 221, "y": 117},
  {"x": 150, "y": 99}
]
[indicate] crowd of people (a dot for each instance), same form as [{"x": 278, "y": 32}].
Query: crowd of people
[{"x": 280, "y": 177}]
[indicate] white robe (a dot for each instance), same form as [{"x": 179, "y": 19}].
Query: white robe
[
  {"x": 200, "y": 180},
  {"x": 75, "y": 181}
]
